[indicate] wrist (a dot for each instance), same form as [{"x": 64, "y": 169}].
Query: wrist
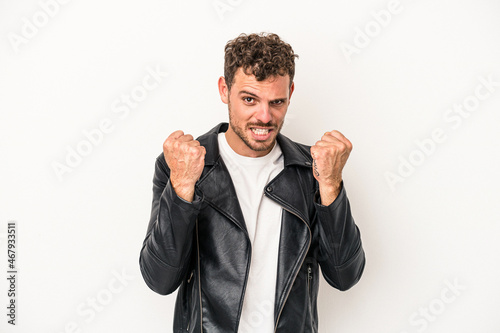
[
  {"x": 183, "y": 191},
  {"x": 329, "y": 192}
]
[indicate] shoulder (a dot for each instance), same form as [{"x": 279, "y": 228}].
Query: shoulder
[{"x": 294, "y": 152}]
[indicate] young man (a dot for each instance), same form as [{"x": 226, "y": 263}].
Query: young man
[{"x": 243, "y": 217}]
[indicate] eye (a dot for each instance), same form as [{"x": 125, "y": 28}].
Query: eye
[
  {"x": 278, "y": 102},
  {"x": 248, "y": 99}
]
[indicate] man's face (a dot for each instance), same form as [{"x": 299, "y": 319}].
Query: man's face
[{"x": 257, "y": 111}]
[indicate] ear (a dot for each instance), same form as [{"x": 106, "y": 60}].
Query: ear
[
  {"x": 223, "y": 90},
  {"x": 292, "y": 88}
]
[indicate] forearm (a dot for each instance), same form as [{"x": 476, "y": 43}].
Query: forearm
[
  {"x": 341, "y": 254},
  {"x": 165, "y": 254},
  {"x": 328, "y": 193}
]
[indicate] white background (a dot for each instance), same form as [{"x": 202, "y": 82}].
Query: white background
[{"x": 437, "y": 226}]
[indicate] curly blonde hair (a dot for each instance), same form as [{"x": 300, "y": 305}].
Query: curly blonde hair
[{"x": 263, "y": 55}]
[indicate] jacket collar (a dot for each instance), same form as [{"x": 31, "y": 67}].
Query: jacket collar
[{"x": 293, "y": 153}]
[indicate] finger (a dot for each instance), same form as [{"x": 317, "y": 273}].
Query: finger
[
  {"x": 175, "y": 135},
  {"x": 314, "y": 152},
  {"x": 323, "y": 143},
  {"x": 327, "y": 150},
  {"x": 339, "y": 136},
  {"x": 193, "y": 143},
  {"x": 202, "y": 151},
  {"x": 196, "y": 152},
  {"x": 328, "y": 137},
  {"x": 185, "y": 138},
  {"x": 337, "y": 140}
]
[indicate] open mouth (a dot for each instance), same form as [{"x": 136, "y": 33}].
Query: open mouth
[{"x": 260, "y": 131}]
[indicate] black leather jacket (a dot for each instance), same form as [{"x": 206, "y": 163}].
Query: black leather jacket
[{"x": 204, "y": 248}]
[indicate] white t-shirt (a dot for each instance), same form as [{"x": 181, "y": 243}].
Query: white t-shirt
[{"x": 263, "y": 221}]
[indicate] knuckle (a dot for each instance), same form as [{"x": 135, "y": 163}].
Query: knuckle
[
  {"x": 318, "y": 154},
  {"x": 194, "y": 151},
  {"x": 168, "y": 144}
]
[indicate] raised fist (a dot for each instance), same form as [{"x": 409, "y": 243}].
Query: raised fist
[
  {"x": 329, "y": 155},
  {"x": 186, "y": 159}
]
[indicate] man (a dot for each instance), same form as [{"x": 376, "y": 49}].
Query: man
[{"x": 243, "y": 217}]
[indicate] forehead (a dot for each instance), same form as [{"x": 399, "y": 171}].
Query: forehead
[{"x": 275, "y": 84}]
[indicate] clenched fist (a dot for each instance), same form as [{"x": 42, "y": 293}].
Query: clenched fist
[
  {"x": 329, "y": 155},
  {"x": 186, "y": 159}
]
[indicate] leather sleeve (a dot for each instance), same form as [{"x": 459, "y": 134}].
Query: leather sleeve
[
  {"x": 341, "y": 254},
  {"x": 165, "y": 255}
]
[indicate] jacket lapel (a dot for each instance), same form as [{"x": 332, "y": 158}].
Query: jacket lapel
[
  {"x": 218, "y": 191},
  {"x": 295, "y": 233},
  {"x": 295, "y": 238},
  {"x": 215, "y": 183}
]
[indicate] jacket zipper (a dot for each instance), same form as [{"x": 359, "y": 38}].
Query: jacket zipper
[
  {"x": 199, "y": 277},
  {"x": 309, "y": 278},
  {"x": 295, "y": 277},
  {"x": 246, "y": 274},
  {"x": 189, "y": 281},
  {"x": 248, "y": 263}
]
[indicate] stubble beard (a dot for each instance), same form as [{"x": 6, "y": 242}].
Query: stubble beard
[{"x": 242, "y": 133}]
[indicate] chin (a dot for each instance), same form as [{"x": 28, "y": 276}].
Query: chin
[{"x": 261, "y": 146}]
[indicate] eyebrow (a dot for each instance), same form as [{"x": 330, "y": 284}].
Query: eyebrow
[
  {"x": 248, "y": 93},
  {"x": 244, "y": 92}
]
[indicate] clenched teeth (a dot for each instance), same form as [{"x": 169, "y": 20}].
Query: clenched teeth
[{"x": 260, "y": 131}]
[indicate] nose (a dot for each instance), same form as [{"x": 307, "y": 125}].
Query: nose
[{"x": 264, "y": 114}]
